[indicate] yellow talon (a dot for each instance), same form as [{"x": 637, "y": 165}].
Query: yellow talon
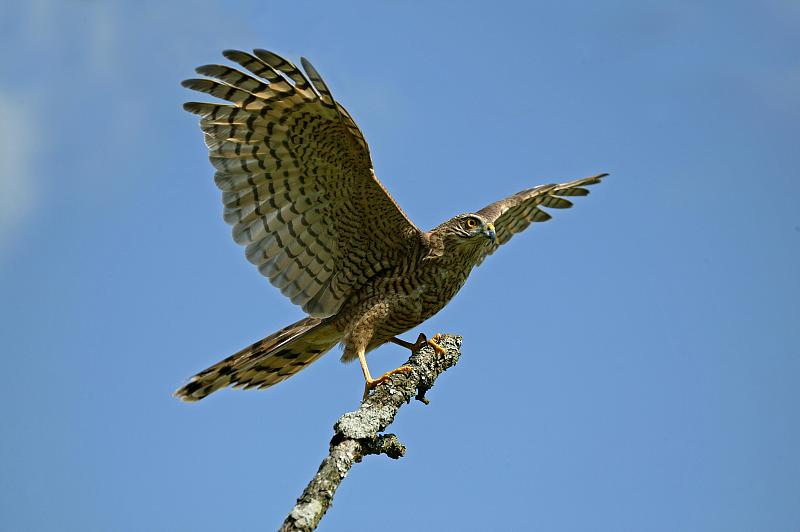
[
  {"x": 372, "y": 383},
  {"x": 436, "y": 347}
]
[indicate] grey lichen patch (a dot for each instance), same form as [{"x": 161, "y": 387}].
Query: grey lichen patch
[
  {"x": 365, "y": 422},
  {"x": 306, "y": 515},
  {"x": 345, "y": 453}
]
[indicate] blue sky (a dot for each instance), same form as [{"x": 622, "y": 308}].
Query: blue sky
[{"x": 631, "y": 365}]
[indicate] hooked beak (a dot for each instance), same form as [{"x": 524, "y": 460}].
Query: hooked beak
[{"x": 489, "y": 232}]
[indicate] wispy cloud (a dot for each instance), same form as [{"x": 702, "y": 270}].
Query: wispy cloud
[{"x": 18, "y": 185}]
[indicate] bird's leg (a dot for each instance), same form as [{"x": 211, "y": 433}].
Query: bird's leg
[
  {"x": 422, "y": 341},
  {"x": 372, "y": 383}
]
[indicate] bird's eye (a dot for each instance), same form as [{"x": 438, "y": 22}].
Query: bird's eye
[{"x": 472, "y": 223}]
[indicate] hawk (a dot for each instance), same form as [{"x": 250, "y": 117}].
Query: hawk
[{"x": 299, "y": 189}]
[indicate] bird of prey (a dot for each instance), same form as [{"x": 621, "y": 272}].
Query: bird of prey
[{"x": 298, "y": 187}]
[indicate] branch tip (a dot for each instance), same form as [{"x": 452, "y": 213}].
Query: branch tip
[{"x": 357, "y": 433}]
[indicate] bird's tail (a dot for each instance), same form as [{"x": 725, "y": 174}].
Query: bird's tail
[{"x": 266, "y": 362}]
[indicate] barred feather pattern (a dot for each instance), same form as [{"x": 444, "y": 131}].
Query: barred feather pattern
[
  {"x": 299, "y": 190},
  {"x": 515, "y": 213},
  {"x": 297, "y": 180},
  {"x": 267, "y": 362}
]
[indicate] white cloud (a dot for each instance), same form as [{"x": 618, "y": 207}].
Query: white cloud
[{"x": 18, "y": 185}]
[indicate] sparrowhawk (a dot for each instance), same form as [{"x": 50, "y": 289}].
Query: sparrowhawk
[{"x": 298, "y": 187}]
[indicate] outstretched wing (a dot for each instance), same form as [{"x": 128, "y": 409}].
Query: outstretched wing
[
  {"x": 515, "y": 213},
  {"x": 297, "y": 180}
]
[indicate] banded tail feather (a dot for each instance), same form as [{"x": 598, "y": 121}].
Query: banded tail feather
[{"x": 267, "y": 362}]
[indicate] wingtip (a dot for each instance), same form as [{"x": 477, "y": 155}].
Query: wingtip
[
  {"x": 595, "y": 179},
  {"x": 307, "y": 66},
  {"x": 232, "y": 54},
  {"x": 263, "y": 52},
  {"x": 206, "y": 70}
]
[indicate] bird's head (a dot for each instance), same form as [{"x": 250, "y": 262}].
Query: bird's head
[{"x": 466, "y": 232}]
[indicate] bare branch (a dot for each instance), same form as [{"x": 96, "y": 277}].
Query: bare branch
[{"x": 356, "y": 434}]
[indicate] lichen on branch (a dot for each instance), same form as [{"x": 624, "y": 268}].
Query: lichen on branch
[{"x": 358, "y": 433}]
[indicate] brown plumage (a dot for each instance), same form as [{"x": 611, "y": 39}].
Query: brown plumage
[{"x": 299, "y": 189}]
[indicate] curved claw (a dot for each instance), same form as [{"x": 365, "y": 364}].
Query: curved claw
[
  {"x": 421, "y": 342},
  {"x": 372, "y": 383},
  {"x": 436, "y": 347}
]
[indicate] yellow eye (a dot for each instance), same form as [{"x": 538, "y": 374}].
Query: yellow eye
[{"x": 472, "y": 223}]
